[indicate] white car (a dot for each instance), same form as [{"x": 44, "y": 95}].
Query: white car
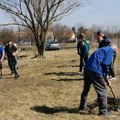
[{"x": 52, "y": 45}]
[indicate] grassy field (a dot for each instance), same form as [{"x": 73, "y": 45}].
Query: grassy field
[{"x": 48, "y": 89}]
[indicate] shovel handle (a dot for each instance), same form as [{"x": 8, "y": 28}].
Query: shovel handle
[{"x": 112, "y": 92}]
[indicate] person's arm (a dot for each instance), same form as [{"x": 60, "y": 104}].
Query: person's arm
[
  {"x": 3, "y": 55},
  {"x": 108, "y": 82},
  {"x": 15, "y": 51},
  {"x": 78, "y": 48},
  {"x": 107, "y": 62}
]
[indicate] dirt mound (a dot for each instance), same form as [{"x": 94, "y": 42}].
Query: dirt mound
[{"x": 113, "y": 104}]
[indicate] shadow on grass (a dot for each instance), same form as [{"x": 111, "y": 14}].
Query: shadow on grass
[
  {"x": 88, "y": 111},
  {"x": 49, "y": 110},
  {"x": 64, "y": 73},
  {"x": 5, "y": 77},
  {"x": 69, "y": 79},
  {"x": 67, "y": 66}
]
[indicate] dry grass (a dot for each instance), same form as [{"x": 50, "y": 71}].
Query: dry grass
[{"x": 48, "y": 89}]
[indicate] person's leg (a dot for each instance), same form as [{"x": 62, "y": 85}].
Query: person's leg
[
  {"x": 112, "y": 73},
  {"x": 86, "y": 57},
  {"x": 14, "y": 64},
  {"x": 1, "y": 72},
  {"x": 15, "y": 71},
  {"x": 81, "y": 64},
  {"x": 86, "y": 89},
  {"x": 99, "y": 85},
  {"x": 10, "y": 65}
]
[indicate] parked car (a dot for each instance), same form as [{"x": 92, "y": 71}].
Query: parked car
[{"x": 52, "y": 45}]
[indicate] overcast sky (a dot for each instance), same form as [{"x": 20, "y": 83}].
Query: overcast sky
[{"x": 99, "y": 12}]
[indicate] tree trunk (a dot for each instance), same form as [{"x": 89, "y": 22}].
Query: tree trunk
[
  {"x": 41, "y": 44},
  {"x": 41, "y": 48}
]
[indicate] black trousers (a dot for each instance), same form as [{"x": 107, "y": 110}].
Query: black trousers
[
  {"x": 98, "y": 82},
  {"x": 112, "y": 71},
  {"x": 12, "y": 62},
  {"x": 82, "y": 61}
]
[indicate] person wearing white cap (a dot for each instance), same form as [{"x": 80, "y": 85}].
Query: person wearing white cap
[{"x": 11, "y": 52}]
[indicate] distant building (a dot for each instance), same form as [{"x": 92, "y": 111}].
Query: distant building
[
  {"x": 50, "y": 35},
  {"x": 69, "y": 36}
]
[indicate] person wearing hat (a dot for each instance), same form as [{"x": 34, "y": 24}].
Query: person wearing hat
[
  {"x": 102, "y": 39},
  {"x": 83, "y": 49},
  {"x": 11, "y": 52},
  {"x": 2, "y": 55},
  {"x": 95, "y": 72}
]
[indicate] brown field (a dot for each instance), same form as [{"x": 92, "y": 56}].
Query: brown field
[{"x": 49, "y": 89}]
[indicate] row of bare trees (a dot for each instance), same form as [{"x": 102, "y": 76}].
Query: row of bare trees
[
  {"x": 7, "y": 35},
  {"x": 57, "y": 30}
]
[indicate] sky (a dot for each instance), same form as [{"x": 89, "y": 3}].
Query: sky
[{"x": 97, "y": 12}]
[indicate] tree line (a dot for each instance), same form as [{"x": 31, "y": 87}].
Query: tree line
[{"x": 7, "y": 34}]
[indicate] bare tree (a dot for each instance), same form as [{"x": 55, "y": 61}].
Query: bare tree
[
  {"x": 38, "y": 15},
  {"x": 58, "y": 30}
]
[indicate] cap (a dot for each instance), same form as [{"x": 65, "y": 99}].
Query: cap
[{"x": 105, "y": 42}]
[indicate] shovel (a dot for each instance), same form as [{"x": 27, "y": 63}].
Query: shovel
[
  {"x": 115, "y": 108},
  {"x": 112, "y": 92}
]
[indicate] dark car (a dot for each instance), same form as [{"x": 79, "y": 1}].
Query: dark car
[{"x": 52, "y": 45}]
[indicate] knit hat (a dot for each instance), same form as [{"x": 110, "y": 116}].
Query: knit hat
[{"x": 105, "y": 42}]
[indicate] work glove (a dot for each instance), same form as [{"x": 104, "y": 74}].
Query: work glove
[{"x": 108, "y": 82}]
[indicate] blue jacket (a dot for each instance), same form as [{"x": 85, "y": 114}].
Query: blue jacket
[
  {"x": 100, "y": 60},
  {"x": 1, "y": 52}
]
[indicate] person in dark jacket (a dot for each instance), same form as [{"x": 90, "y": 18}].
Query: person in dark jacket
[
  {"x": 11, "y": 52},
  {"x": 83, "y": 49},
  {"x": 112, "y": 70},
  {"x": 102, "y": 39},
  {"x": 95, "y": 72}
]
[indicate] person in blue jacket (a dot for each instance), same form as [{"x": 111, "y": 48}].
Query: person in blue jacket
[
  {"x": 2, "y": 54},
  {"x": 101, "y": 38},
  {"x": 83, "y": 49},
  {"x": 95, "y": 72}
]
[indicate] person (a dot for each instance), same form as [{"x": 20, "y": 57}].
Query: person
[
  {"x": 112, "y": 73},
  {"x": 83, "y": 48},
  {"x": 2, "y": 55},
  {"x": 95, "y": 72},
  {"x": 101, "y": 39},
  {"x": 11, "y": 52}
]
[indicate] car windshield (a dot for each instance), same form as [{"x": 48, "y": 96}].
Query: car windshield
[{"x": 53, "y": 42}]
